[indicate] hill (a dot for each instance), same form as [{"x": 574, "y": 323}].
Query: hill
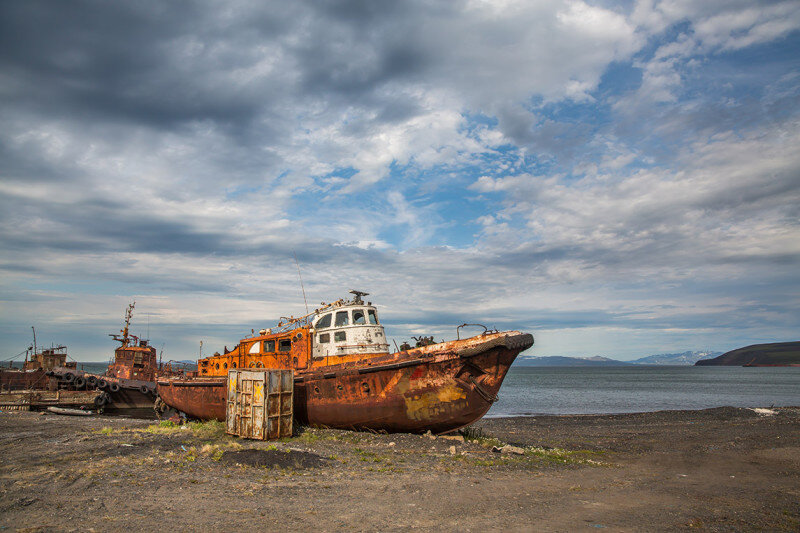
[
  {"x": 683, "y": 358},
  {"x": 778, "y": 353},
  {"x": 568, "y": 361}
]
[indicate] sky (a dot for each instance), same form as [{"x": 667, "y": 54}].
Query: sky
[{"x": 618, "y": 178}]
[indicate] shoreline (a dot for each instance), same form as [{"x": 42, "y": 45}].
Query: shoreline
[{"x": 535, "y": 415}]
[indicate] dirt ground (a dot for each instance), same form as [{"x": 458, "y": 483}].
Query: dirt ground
[{"x": 715, "y": 470}]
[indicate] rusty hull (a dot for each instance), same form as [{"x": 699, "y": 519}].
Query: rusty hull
[{"x": 440, "y": 387}]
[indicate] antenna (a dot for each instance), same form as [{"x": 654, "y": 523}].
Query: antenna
[{"x": 301, "y": 280}]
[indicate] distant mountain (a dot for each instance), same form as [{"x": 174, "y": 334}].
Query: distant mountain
[
  {"x": 684, "y": 358},
  {"x": 568, "y": 361},
  {"x": 778, "y": 353}
]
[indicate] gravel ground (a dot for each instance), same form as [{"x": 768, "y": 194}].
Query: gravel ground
[{"x": 721, "y": 469}]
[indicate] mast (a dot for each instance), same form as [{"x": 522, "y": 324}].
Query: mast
[
  {"x": 124, "y": 339},
  {"x": 34, "y": 346}
]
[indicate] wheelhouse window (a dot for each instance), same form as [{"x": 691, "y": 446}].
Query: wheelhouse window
[
  {"x": 340, "y": 336},
  {"x": 269, "y": 346},
  {"x": 324, "y": 338},
  {"x": 373, "y": 316},
  {"x": 342, "y": 318},
  {"x": 256, "y": 346},
  {"x": 358, "y": 316},
  {"x": 285, "y": 345},
  {"x": 324, "y": 322}
]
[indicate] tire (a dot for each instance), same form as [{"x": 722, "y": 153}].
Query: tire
[
  {"x": 113, "y": 387},
  {"x": 102, "y": 384},
  {"x": 91, "y": 381},
  {"x": 143, "y": 389},
  {"x": 100, "y": 401},
  {"x": 69, "y": 377},
  {"x": 79, "y": 382}
]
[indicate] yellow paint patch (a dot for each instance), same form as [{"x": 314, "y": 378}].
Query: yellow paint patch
[
  {"x": 430, "y": 404},
  {"x": 232, "y": 383},
  {"x": 258, "y": 393}
]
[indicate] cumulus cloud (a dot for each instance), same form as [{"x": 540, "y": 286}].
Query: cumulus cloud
[{"x": 467, "y": 158}]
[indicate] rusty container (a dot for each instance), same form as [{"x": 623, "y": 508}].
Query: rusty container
[{"x": 259, "y": 403}]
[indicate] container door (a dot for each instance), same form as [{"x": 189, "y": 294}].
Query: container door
[{"x": 260, "y": 403}]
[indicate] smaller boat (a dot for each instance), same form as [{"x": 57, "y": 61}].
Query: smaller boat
[
  {"x": 36, "y": 371},
  {"x": 130, "y": 378}
]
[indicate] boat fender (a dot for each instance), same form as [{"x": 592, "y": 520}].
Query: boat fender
[
  {"x": 79, "y": 382},
  {"x": 102, "y": 384},
  {"x": 69, "y": 377},
  {"x": 113, "y": 387},
  {"x": 143, "y": 389},
  {"x": 91, "y": 381},
  {"x": 100, "y": 401}
]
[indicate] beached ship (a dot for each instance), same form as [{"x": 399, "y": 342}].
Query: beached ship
[
  {"x": 130, "y": 378},
  {"x": 345, "y": 376},
  {"x": 35, "y": 372}
]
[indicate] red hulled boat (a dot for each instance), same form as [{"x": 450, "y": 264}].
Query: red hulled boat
[{"x": 346, "y": 378}]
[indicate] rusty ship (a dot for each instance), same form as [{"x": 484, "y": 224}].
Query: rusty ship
[
  {"x": 129, "y": 380},
  {"x": 35, "y": 372},
  {"x": 345, "y": 376}
]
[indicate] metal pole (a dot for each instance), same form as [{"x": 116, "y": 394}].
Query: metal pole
[{"x": 301, "y": 280}]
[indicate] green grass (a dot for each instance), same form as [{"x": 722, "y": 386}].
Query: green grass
[
  {"x": 476, "y": 435},
  {"x": 564, "y": 457}
]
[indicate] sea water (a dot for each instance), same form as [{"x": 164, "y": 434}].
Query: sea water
[{"x": 631, "y": 389}]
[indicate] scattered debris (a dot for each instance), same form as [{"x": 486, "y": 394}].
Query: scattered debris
[{"x": 509, "y": 449}]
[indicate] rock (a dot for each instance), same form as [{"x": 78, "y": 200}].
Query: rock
[
  {"x": 430, "y": 435},
  {"x": 452, "y": 450},
  {"x": 458, "y": 438},
  {"x": 508, "y": 449}
]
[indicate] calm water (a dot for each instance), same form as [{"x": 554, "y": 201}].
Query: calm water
[{"x": 597, "y": 390}]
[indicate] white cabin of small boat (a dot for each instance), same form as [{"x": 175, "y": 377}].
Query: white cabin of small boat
[{"x": 348, "y": 328}]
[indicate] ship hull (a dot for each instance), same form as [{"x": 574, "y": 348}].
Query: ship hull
[
  {"x": 122, "y": 394},
  {"x": 436, "y": 388}
]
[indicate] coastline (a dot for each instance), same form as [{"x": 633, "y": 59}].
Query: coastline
[
  {"x": 545, "y": 415},
  {"x": 715, "y": 469}
]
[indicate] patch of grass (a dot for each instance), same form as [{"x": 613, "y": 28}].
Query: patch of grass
[
  {"x": 476, "y": 435},
  {"x": 564, "y": 457},
  {"x": 368, "y": 457},
  {"x": 105, "y": 431},
  {"x": 209, "y": 430}
]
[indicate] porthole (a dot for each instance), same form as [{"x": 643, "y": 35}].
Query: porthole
[
  {"x": 316, "y": 389},
  {"x": 339, "y": 387},
  {"x": 216, "y": 366},
  {"x": 365, "y": 387},
  {"x": 233, "y": 365},
  {"x": 224, "y": 365}
]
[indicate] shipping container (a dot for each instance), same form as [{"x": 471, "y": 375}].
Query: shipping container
[{"x": 259, "y": 403}]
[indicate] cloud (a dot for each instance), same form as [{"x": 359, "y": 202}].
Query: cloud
[{"x": 568, "y": 165}]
